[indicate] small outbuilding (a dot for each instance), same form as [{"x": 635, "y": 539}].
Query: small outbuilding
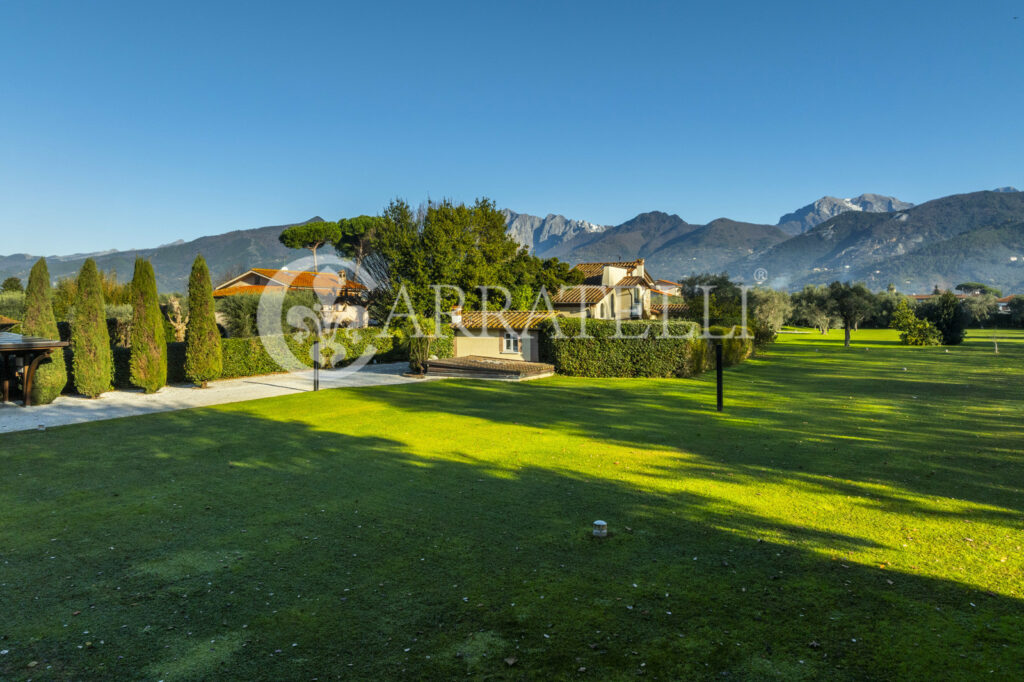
[{"x": 508, "y": 335}]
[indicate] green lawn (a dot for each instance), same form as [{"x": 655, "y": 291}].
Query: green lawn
[{"x": 854, "y": 513}]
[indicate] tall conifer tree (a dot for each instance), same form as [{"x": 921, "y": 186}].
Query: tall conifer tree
[
  {"x": 52, "y": 376},
  {"x": 91, "y": 358},
  {"x": 148, "y": 342},
  {"x": 202, "y": 339}
]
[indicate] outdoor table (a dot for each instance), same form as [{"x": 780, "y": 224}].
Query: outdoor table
[{"x": 22, "y": 355}]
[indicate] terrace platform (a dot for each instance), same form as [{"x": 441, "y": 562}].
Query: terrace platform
[{"x": 480, "y": 367}]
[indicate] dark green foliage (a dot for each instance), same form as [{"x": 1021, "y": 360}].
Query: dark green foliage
[
  {"x": 812, "y": 307},
  {"x": 356, "y": 237},
  {"x": 603, "y": 355},
  {"x": 851, "y": 303},
  {"x": 242, "y": 311},
  {"x": 52, "y": 375},
  {"x": 202, "y": 338},
  {"x": 1017, "y": 311},
  {"x": 724, "y": 298},
  {"x": 90, "y": 340},
  {"x": 457, "y": 245},
  {"x": 977, "y": 288},
  {"x": 11, "y": 284},
  {"x": 148, "y": 339},
  {"x": 311, "y": 236},
  {"x": 948, "y": 315}
]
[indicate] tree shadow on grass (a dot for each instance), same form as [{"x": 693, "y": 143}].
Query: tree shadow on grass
[
  {"x": 962, "y": 456},
  {"x": 230, "y": 545}
]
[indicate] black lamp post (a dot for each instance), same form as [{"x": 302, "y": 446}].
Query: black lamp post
[{"x": 718, "y": 371}]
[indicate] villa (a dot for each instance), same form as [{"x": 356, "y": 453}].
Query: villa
[{"x": 343, "y": 299}]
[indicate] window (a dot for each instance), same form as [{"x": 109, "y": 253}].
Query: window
[{"x": 511, "y": 342}]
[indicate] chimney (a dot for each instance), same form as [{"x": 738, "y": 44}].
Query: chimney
[
  {"x": 343, "y": 276},
  {"x": 457, "y": 314}
]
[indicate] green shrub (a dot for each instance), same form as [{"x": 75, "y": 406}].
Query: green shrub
[
  {"x": 148, "y": 338},
  {"x": 920, "y": 333},
  {"x": 51, "y": 376},
  {"x": 202, "y": 338},
  {"x": 90, "y": 340},
  {"x": 684, "y": 353}
]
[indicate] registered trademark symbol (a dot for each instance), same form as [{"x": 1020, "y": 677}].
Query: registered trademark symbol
[{"x": 760, "y": 275}]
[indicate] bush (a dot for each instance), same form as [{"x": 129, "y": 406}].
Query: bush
[
  {"x": 920, "y": 333},
  {"x": 604, "y": 355},
  {"x": 90, "y": 340},
  {"x": 51, "y": 376},
  {"x": 148, "y": 338}
]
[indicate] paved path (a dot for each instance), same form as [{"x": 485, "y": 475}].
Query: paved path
[{"x": 74, "y": 410}]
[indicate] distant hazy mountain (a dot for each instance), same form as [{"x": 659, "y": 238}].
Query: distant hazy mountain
[
  {"x": 230, "y": 252},
  {"x": 853, "y": 245},
  {"x": 965, "y": 237},
  {"x": 542, "y": 235},
  {"x": 812, "y": 215}
]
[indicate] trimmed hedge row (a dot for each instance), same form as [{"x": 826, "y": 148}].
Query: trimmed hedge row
[
  {"x": 248, "y": 357},
  {"x": 601, "y": 354}
]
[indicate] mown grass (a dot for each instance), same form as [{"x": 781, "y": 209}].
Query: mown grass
[{"x": 854, "y": 514}]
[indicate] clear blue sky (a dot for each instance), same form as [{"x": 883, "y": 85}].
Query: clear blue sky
[{"x": 135, "y": 123}]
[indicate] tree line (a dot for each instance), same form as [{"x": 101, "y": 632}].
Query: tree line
[
  {"x": 84, "y": 299},
  {"x": 942, "y": 318}
]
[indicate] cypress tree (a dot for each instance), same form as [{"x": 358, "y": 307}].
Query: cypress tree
[
  {"x": 202, "y": 339},
  {"x": 92, "y": 359},
  {"x": 52, "y": 376},
  {"x": 148, "y": 343}
]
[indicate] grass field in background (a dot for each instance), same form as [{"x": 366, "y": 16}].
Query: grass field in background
[{"x": 854, "y": 513}]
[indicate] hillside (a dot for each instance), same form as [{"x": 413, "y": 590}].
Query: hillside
[
  {"x": 856, "y": 241},
  {"x": 229, "y": 252},
  {"x": 991, "y": 255}
]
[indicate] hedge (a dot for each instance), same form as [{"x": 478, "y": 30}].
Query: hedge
[
  {"x": 601, "y": 354},
  {"x": 248, "y": 357}
]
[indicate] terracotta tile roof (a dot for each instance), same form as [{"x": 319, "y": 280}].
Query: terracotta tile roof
[
  {"x": 6, "y": 322},
  {"x": 581, "y": 293},
  {"x": 242, "y": 289},
  {"x": 667, "y": 281},
  {"x": 593, "y": 272},
  {"x": 510, "y": 319},
  {"x": 673, "y": 308},
  {"x": 304, "y": 279},
  {"x": 326, "y": 283},
  {"x": 1006, "y": 299},
  {"x": 631, "y": 282}
]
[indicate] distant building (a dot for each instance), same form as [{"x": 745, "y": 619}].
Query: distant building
[
  {"x": 610, "y": 290},
  {"x": 343, "y": 300}
]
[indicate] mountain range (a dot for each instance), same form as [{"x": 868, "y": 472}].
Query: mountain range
[{"x": 873, "y": 238}]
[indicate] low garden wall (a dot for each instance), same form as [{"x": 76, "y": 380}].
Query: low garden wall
[{"x": 599, "y": 353}]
